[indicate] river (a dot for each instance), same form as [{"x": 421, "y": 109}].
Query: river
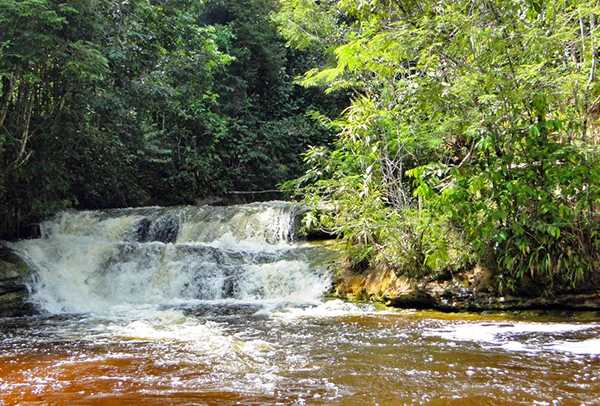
[{"x": 222, "y": 305}]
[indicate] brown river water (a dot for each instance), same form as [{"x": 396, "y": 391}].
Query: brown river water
[
  {"x": 224, "y": 306},
  {"x": 332, "y": 353}
]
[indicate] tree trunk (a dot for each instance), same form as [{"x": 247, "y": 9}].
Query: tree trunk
[{"x": 7, "y": 89}]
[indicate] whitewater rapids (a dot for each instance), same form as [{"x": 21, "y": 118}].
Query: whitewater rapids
[
  {"x": 225, "y": 306},
  {"x": 107, "y": 261}
]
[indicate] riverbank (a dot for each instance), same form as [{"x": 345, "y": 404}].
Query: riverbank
[{"x": 465, "y": 291}]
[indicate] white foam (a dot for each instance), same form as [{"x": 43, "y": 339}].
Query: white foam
[
  {"x": 228, "y": 241},
  {"x": 195, "y": 338},
  {"x": 512, "y": 336},
  {"x": 89, "y": 262},
  {"x": 291, "y": 281},
  {"x": 587, "y": 347},
  {"x": 89, "y": 224},
  {"x": 330, "y": 308},
  {"x": 250, "y": 224}
]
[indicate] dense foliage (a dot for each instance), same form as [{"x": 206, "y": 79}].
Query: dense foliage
[
  {"x": 472, "y": 139},
  {"x": 119, "y": 103}
]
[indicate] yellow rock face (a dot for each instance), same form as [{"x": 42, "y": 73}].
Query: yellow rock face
[{"x": 378, "y": 284}]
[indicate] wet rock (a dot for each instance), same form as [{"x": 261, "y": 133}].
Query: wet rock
[
  {"x": 230, "y": 283},
  {"x": 467, "y": 291},
  {"x": 416, "y": 299},
  {"x": 163, "y": 229},
  {"x": 14, "y": 294},
  {"x": 141, "y": 230},
  {"x": 377, "y": 285}
]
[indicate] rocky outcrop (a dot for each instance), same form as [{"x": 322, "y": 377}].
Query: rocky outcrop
[
  {"x": 163, "y": 229},
  {"x": 467, "y": 291},
  {"x": 13, "y": 289}
]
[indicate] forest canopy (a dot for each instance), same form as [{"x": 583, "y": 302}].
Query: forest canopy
[{"x": 127, "y": 103}]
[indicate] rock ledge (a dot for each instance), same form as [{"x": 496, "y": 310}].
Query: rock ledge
[{"x": 468, "y": 291}]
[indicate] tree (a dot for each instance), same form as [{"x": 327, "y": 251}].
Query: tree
[
  {"x": 471, "y": 133},
  {"x": 125, "y": 103}
]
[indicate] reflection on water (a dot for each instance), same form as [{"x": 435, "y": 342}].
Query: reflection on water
[{"x": 230, "y": 352}]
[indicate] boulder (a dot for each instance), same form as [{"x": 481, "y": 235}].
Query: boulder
[
  {"x": 14, "y": 293},
  {"x": 163, "y": 229},
  {"x": 141, "y": 230}
]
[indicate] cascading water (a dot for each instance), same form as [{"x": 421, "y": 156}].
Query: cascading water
[
  {"x": 99, "y": 261},
  {"x": 220, "y": 306}
]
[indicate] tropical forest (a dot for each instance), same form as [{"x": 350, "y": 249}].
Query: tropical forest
[{"x": 303, "y": 202}]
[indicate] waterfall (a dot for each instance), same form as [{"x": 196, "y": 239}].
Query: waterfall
[{"x": 98, "y": 261}]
